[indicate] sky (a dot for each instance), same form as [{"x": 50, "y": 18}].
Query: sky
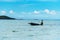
[{"x": 30, "y": 9}]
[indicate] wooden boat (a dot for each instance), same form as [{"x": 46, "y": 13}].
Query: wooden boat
[{"x": 33, "y": 24}]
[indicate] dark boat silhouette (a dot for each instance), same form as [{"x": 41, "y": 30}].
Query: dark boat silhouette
[{"x": 33, "y": 24}]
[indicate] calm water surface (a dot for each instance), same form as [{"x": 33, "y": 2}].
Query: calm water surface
[{"x": 21, "y": 30}]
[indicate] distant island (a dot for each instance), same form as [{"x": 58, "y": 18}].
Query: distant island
[{"x": 5, "y": 17}]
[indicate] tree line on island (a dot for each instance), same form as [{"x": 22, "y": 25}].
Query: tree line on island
[{"x": 5, "y": 17}]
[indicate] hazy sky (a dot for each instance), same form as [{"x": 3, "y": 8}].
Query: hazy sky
[{"x": 31, "y": 9}]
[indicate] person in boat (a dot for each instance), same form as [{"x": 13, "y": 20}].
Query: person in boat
[
  {"x": 36, "y": 23},
  {"x": 41, "y": 22}
]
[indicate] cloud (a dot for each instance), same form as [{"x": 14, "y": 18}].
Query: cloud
[
  {"x": 46, "y": 11},
  {"x": 36, "y": 12},
  {"x": 3, "y": 12},
  {"x": 11, "y": 11},
  {"x": 52, "y": 12},
  {"x": 40, "y": 12}
]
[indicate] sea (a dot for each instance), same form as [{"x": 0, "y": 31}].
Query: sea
[{"x": 21, "y": 30}]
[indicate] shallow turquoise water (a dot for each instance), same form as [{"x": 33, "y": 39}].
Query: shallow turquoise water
[{"x": 23, "y": 31}]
